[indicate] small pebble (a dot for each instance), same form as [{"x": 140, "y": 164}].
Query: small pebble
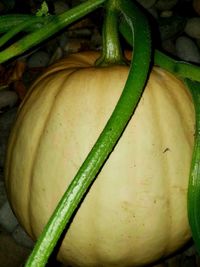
[
  {"x": 79, "y": 33},
  {"x": 169, "y": 27},
  {"x": 6, "y": 121},
  {"x": 166, "y": 14},
  {"x": 187, "y": 50},
  {"x": 192, "y": 27},
  {"x": 7, "y": 218},
  {"x": 8, "y": 98},
  {"x": 63, "y": 40},
  {"x": 3, "y": 197},
  {"x": 165, "y": 5},
  {"x": 146, "y": 3},
  {"x": 21, "y": 237},
  {"x": 38, "y": 59},
  {"x": 75, "y": 45},
  {"x": 58, "y": 54}
]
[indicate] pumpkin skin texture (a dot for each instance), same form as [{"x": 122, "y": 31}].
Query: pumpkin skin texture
[{"x": 136, "y": 211}]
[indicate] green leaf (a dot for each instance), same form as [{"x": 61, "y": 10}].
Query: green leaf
[{"x": 43, "y": 10}]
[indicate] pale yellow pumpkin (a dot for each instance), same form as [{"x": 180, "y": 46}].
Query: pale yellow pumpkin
[{"x": 136, "y": 211}]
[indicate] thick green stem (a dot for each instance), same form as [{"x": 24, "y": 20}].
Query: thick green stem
[
  {"x": 107, "y": 140},
  {"x": 194, "y": 181},
  {"x": 179, "y": 68},
  {"x": 111, "y": 50},
  {"x": 15, "y": 30},
  {"x": 57, "y": 23},
  {"x": 8, "y": 22}
]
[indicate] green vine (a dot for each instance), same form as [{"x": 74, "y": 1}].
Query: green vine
[
  {"x": 55, "y": 24},
  {"x": 194, "y": 181}
]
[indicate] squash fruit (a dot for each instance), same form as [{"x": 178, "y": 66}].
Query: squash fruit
[{"x": 136, "y": 211}]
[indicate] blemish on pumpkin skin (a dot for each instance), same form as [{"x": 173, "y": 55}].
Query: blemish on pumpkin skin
[
  {"x": 166, "y": 150},
  {"x": 125, "y": 205}
]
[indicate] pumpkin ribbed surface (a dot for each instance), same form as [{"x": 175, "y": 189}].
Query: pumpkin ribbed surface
[{"x": 136, "y": 210}]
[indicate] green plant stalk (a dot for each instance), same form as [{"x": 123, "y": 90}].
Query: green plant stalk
[
  {"x": 8, "y": 22},
  {"x": 181, "y": 69},
  {"x": 15, "y": 30},
  {"x": 194, "y": 180},
  {"x": 56, "y": 24},
  {"x": 107, "y": 140},
  {"x": 114, "y": 54}
]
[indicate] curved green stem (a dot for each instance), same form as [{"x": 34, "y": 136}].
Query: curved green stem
[
  {"x": 181, "y": 69},
  {"x": 194, "y": 180},
  {"x": 111, "y": 50},
  {"x": 15, "y": 30},
  {"x": 57, "y": 23},
  {"x": 107, "y": 140}
]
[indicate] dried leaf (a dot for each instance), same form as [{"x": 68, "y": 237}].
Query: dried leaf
[
  {"x": 18, "y": 71},
  {"x": 13, "y": 73},
  {"x": 20, "y": 89}
]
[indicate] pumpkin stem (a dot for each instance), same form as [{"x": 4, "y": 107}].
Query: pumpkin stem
[{"x": 111, "y": 50}]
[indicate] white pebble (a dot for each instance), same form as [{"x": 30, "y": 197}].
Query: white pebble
[
  {"x": 192, "y": 27},
  {"x": 8, "y": 98},
  {"x": 38, "y": 59},
  {"x": 74, "y": 45},
  {"x": 187, "y": 50},
  {"x": 21, "y": 237},
  {"x": 58, "y": 54},
  {"x": 7, "y": 218}
]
